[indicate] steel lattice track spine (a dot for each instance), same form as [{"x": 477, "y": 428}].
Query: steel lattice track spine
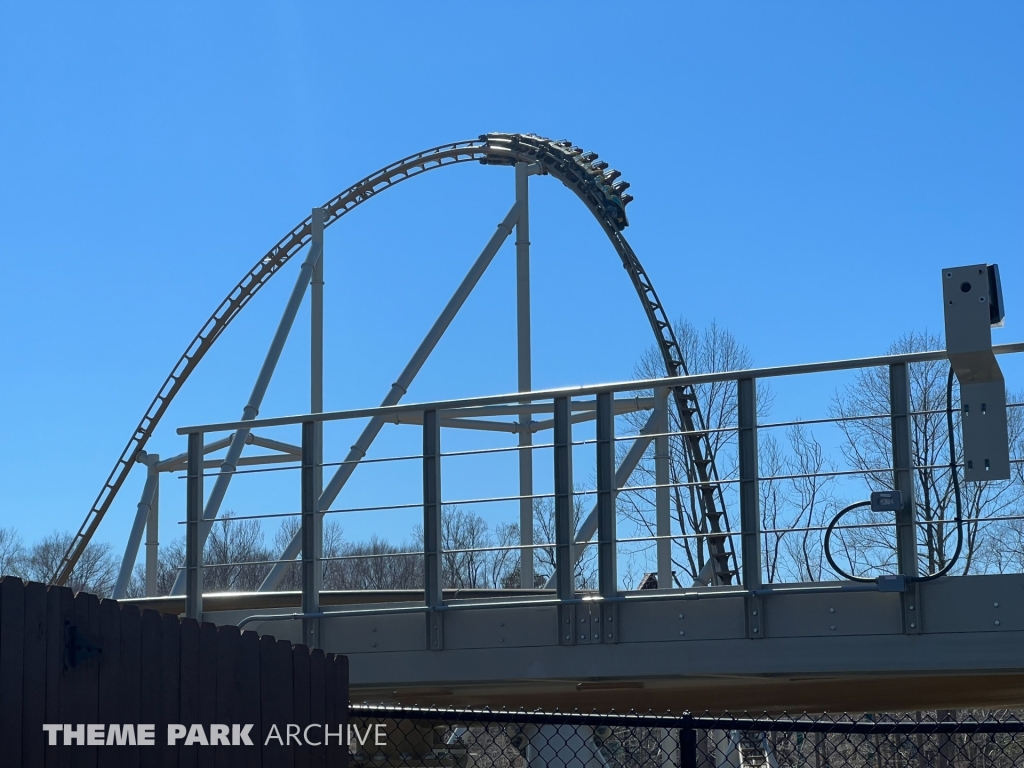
[{"x": 591, "y": 180}]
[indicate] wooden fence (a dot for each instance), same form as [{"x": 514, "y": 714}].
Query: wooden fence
[{"x": 76, "y": 659}]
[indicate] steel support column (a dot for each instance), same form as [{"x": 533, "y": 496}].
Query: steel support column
[
  {"x": 564, "y": 523},
  {"x": 316, "y": 372},
  {"x": 662, "y": 478},
  {"x": 525, "y": 370},
  {"x": 307, "y": 530},
  {"x": 432, "y": 553},
  {"x": 193, "y": 532},
  {"x": 142, "y": 514},
  {"x": 259, "y": 390},
  {"x": 750, "y": 514},
  {"x": 153, "y": 534},
  {"x": 400, "y": 387},
  {"x": 607, "y": 575},
  {"x": 903, "y": 468},
  {"x": 588, "y": 527}
]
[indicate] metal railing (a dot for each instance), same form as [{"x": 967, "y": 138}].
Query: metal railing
[{"x": 614, "y": 458}]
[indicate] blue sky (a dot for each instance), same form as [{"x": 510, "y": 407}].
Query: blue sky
[{"x": 801, "y": 173}]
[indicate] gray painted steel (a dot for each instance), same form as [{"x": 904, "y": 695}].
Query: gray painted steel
[
  {"x": 607, "y": 539},
  {"x": 401, "y": 385},
  {"x": 193, "y": 533},
  {"x": 432, "y": 565},
  {"x": 576, "y": 169},
  {"x": 593, "y": 389},
  {"x": 750, "y": 512},
  {"x": 153, "y": 535},
  {"x": 662, "y": 478},
  {"x": 903, "y": 468},
  {"x": 565, "y": 563},
  {"x": 966, "y": 303},
  {"x": 525, "y": 372},
  {"x": 973, "y": 625},
  {"x": 259, "y": 390},
  {"x": 142, "y": 515},
  {"x": 309, "y": 533}
]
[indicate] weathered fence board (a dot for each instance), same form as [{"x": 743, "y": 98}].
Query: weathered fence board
[{"x": 74, "y": 659}]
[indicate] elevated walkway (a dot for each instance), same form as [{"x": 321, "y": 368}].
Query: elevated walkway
[
  {"x": 821, "y": 646},
  {"x": 738, "y": 639}
]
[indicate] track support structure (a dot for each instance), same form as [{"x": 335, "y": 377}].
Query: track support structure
[{"x": 525, "y": 374}]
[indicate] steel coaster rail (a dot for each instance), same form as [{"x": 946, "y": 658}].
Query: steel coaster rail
[{"x": 591, "y": 180}]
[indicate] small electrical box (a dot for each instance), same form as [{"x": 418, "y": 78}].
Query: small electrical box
[
  {"x": 886, "y": 501},
  {"x": 973, "y": 304},
  {"x": 897, "y": 583}
]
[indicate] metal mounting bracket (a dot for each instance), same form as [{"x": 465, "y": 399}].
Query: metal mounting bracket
[{"x": 755, "y": 616}]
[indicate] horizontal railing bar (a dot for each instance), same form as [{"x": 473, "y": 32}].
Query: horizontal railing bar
[
  {"x": 485, "y": 500},
  {"x": 407, "y": 457},
  {"x": 506, "y": 449},
  {"x": 834, "y": 473},
  {"x": 825, "y": 420},
  {"x": 232, "y": 565},
  {"x": 622, "y": 406},
  {"x": 233, "y": 518},
  {"x": 652, "y": 435},
  {"x": 695, "y": 484},
  {"x": 665, "y": 538},
  {"x": 242, "y": 471},
  {"x": 263, "y": 458},
  {"x": 593, "y": 389},
  {"x": 943, "y": 410}
]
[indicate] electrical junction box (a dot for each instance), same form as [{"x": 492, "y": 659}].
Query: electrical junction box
[
  {"x": 886, "y": 501},
  {"x": 973, "y": 303}
]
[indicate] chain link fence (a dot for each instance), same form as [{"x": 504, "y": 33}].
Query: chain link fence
[{"x": 412, "y": 737}]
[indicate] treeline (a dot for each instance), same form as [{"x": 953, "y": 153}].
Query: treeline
[{"x": 238, "y": 556}]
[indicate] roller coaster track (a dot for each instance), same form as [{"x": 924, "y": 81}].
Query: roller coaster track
[{"x": 593, "y": 182}]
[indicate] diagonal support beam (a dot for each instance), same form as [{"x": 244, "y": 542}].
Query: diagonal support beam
[
  {"x": 589, "y": 526},
  {"x": 399, "y": 388},
  {"x": 143, "y": 510},
  {"x": 252, "y": 408}
]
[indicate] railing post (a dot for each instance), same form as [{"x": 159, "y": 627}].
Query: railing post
[
  {"x": 564, "y": 519},
  {"x": 607, "y": 575},
  {"x": 750, "y": 512},
  {"x": 193, "y": 535},
  {"x": 310, "y": 552},
  {"x": 433, "y": 593},
  {"x": 903, "y": 468},
  {"x": 662, "y": 478},
  {"x": 153, "y": 530}
]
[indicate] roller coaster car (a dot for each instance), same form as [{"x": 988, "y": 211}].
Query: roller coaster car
[{"x": 574, "y": 167}]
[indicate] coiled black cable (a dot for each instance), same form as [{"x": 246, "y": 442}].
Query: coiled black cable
[{"x": 959, "y": 519}]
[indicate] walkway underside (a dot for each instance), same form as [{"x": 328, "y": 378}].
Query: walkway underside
[{"x": 951, "y": 643}]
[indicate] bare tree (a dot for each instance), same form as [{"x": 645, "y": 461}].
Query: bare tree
[
  {"x": 12, "y": 553},
  {"x": 810, "y": 493},
  {"x": 585, "y": 572},
  {"x": 95, "y": 571},
  {"x": 868, "y": 446},
  {"x": 235, "y": 555},
  {"x": 379, "y": 564},
  {"x": 711, "y": 349},
  {"x": 464, "y": 535}
]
